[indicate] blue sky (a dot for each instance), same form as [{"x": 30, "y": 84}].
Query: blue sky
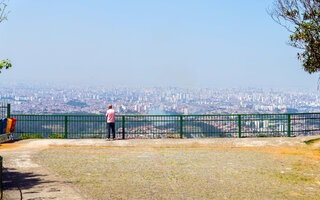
[{"x": 183, "y": 43}]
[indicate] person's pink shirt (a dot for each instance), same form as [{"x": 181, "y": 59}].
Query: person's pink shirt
[{"x": 110, "y": 116}]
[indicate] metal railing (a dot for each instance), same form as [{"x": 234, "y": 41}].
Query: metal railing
[
  {"x": 4, "y": 108},
  {"x": 169, "y": 126},
  {"x": 4, "y": 113}
]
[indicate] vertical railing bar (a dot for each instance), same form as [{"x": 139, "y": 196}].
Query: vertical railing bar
[
  {"x": 8, "y": 110},
  {"x": 181, "y": 126},
  {"x": 123, "y": 128},
  {"x": 289, "y": 125},
  {"x": 65, "y": 126},
  {"x": 1, "y": 186},
  {"x": 239, "y": 124}
]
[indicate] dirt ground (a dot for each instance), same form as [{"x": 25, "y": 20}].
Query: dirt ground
[{"x": 27, "y": 172}]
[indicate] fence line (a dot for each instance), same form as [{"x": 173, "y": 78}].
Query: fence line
[
  {"x": 169, "y": 126},
  {"x": 4, "y": 107}
]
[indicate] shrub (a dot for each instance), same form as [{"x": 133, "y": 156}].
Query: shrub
[
  {"x": 24, "y": 136},
  {"x": 37, "y": 136},
  {"x": 262, "y": 135},
  {"x": 310, "y": 142},
  {"x": 56, "y": 136},
  {"x": 27, "y": 136}
]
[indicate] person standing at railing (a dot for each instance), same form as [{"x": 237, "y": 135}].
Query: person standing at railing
[{"x": 110, "y": 122}]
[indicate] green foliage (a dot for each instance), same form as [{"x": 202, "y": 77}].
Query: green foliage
[
  {"x": 37, "y": 136},
  {"x": 4, "y": 64},
  {"x": 27, "y": 136},
  {"x": 3, "y": 13},
  {"x": 275, "y": 134},
  {"x": 302, "y": 19},
  {"x": 172, "y": 136},
  {"x": 24, "y": 136},
  {"x": 56, "y": 136},
  {"x": 310, "y": 142},
  {"x": 261, "y": 135}
]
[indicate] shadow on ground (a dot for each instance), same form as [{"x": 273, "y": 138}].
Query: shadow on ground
[{"x": 12, "y": 179}]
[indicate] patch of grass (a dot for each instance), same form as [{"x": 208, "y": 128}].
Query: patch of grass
[
  {"x": 27, "y": 136},
  {"x": 296, "y": 178},
  {"x": 37, "y": 136},
  {"x": 273, "y": 135},
  {"x": 56, "y": 136},
  {"x": 310, "y": 142},
  {"x": 24, "y": 136},
  {"x": 262, "y": 136},
  {"x": 172, "y": 136}
]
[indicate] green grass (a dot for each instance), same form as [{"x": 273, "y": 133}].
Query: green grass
[
  {"x": 56, "y": 136},
  {"x": 33, "y": 136},
  {"x": 310, "y": 142},
  {"x": 262, "y": 136}
]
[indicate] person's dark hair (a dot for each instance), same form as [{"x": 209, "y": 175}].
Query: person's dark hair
[{"x": 109, "y": 106}]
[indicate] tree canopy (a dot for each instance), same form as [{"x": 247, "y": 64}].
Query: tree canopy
[
  {"x": 4, "y": 64},
  {"x": 302, "y": 19}
]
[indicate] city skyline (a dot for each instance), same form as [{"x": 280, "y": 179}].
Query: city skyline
[
  {"x": 160, "y": 43},
  {"x": 56, "y": 99}
]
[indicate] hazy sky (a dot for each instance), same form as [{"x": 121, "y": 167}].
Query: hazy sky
[{"x": 206, "y": 43}]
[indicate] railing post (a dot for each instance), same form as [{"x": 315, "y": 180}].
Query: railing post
[
  {"x": 123, "y": 128},
  {"x": 289, "y": 125},
  {"x": 8, "y": 110},
  {"x": 239, "y": 124},
  {"x": 1, "y": 188},
  {"x": 65, "y": 126},
  {"x": 181, "y": 126}
]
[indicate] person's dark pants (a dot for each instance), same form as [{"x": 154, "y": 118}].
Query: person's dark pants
[{"x": 112, "y": 127}]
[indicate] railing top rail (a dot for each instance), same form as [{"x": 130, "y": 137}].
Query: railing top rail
[{"x": 202, "y": 115}]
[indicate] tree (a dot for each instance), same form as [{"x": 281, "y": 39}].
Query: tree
[
  {"x": 4, "y": 64},
  {"x": 302, "y": 19}
]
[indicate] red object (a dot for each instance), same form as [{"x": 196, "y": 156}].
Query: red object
[{"x": 13, "y": 125}]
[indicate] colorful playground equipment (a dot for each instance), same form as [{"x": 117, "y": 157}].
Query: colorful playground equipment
[{"x": 8, "y": 125}]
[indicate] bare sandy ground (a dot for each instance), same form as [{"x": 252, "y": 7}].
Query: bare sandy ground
[
  {"x": 25, "y": 178},
  {"x": 185, "y": 143}
]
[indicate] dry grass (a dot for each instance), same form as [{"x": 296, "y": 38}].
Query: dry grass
[
  {"x": 186, "y": 173},
  {"x": 312, "y": 141}
]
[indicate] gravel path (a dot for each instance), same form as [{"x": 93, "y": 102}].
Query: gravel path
[{"x": 223, "y": 168}]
